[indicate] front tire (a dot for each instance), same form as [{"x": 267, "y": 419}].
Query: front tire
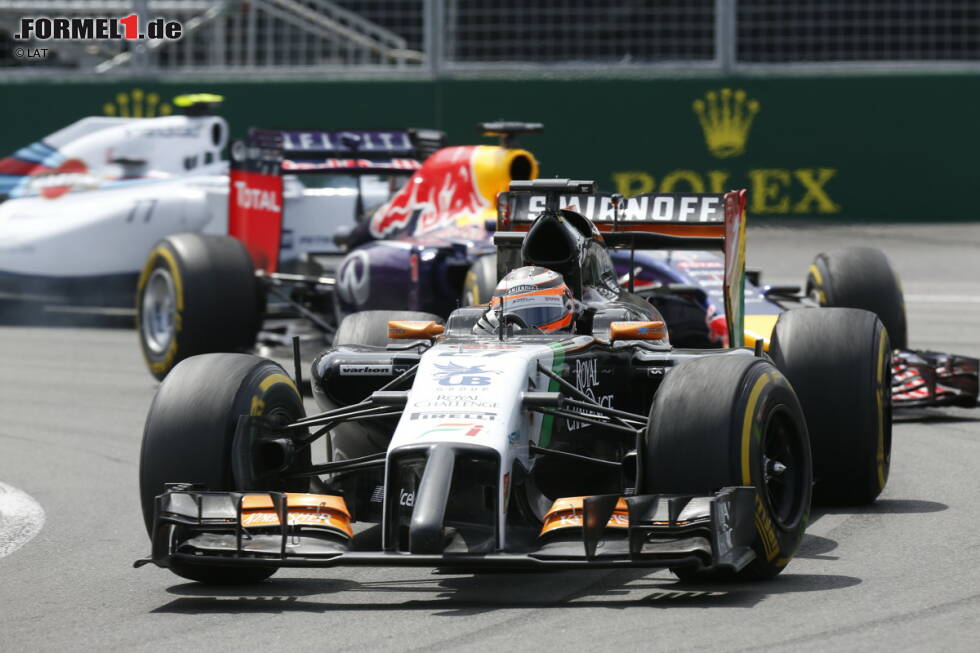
[
  {"x": 839, "y": 362},
  {"x": 197, "y": 294},
  {"x": 727, "y": 420},
  {"x": 860, "y": 277},
  {"x": 190, "y": 437}
]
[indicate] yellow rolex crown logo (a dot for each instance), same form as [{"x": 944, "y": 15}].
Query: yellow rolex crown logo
[
  {"x": 726, "y": 118},
  {"x": 137, "y": 104}
]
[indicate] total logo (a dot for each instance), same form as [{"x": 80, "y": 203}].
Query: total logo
[
  {"x": 454, "y": 374},
  {"x": 256, "y": 198}
]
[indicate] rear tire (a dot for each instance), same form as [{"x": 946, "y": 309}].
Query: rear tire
[
  {"x": 839, "y": 362},
  {"x": 197, "y": 294},
  {"x": 481, "y": 280},
  {"x": 861, "y": 277},
  {"x": 190, "y": 431},
  {"x": 694, "y": 446}
]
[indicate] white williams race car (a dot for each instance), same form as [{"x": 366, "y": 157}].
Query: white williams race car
[{"x": 81, "y": 207}]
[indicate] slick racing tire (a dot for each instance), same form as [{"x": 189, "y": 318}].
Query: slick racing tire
[
  {"x": 839, "y": 362},
  {"x": 190, "y": 437},
  {"x": 860, "y": 277},
  {"x": 751, "y": 432},
  {"x": 371, "y": 327},
  {"x": 480, "y": 282},
  {"x": 197, "y": 294}
]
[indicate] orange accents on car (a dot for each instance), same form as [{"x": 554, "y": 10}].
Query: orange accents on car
[
  {"x": 414, "y": 329},
  {"x": 567, "y": 513},
  {"x": 324, "y": 510},
  {"x": 637, "y": 331},
  {"x": 560, "y": 323}
]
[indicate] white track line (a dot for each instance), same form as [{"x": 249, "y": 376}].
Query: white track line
[
  {"x": 943, "y": 299},
  {"x": 21, "y": 517}
]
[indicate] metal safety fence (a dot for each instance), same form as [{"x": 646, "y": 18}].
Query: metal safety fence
[{"x": 323, "y": 38}]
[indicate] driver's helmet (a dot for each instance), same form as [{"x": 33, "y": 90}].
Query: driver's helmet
[{"x": 532, "y": 298}]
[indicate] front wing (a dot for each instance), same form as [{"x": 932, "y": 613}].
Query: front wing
[
  {"x": 930, "y": 378},
  {"x": 205, "y": 528}
]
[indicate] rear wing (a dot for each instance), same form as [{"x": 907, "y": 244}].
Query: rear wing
[
  {"x": 351, "y": 151},
  {"x": 699, "y": 221},
  {"x": 255, "y": 201}
]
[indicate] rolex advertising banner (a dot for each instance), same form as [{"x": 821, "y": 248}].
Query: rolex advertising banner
[{"x": 890, "y": 147}]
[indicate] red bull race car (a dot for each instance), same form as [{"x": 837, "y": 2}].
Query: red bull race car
[
  {"x": 556, "y": 426},
  {"x": 419, "y": 228}
]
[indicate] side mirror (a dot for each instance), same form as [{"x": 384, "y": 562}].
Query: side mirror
[
  {"x": 637, "y": 331},
  {"x": 413, "y": 330}
]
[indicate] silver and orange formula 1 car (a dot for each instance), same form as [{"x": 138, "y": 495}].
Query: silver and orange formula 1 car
[{"x": 489, "y": 442}]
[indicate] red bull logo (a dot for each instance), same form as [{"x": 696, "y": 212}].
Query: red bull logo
[
  {"x": 456, "y": 187},
  {"x": 442, "y": 191}
]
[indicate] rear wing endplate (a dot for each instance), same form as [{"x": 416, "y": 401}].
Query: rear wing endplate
[
  {"x": 255, "y": 198},
  {"x": 699, "y": 221}
]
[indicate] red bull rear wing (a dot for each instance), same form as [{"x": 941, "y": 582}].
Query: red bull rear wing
[
  {"x": 649, "y": 221},
  {"x": 255, "y": 200}
]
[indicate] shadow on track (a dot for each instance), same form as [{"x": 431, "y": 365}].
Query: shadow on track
[
  {"x": 888, "y": 507},
  {"x": 466, "y": 595},
  {"x": 815, "y": 547}
]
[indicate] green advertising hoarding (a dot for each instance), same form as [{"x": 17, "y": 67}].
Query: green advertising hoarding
[{"x": 895, "y": 147}]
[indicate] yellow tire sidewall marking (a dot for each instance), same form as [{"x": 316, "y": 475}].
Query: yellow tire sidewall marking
[
  {"x": 747, "y": 427},
  {"x": 880, "y": 401},
  {"x": 763, "y": 524},
  {"x": 815, "y": 273},
  {"x": 257, "y": 406},
  {"x": 273, "y": 379},
  {"x": 470, "y": 290},
  {"x": 168, "y": 258}
]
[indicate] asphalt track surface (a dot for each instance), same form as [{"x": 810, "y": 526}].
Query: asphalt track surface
[{"x": 903, "y": 574}]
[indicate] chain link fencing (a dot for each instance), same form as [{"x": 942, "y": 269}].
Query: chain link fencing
[{"x": 351, "y": 38}]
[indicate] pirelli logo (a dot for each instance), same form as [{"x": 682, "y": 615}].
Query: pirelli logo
[{"x": 767, "y": 533}]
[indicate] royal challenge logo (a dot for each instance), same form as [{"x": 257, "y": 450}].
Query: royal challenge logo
[{"x": 726, "y": 118}]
